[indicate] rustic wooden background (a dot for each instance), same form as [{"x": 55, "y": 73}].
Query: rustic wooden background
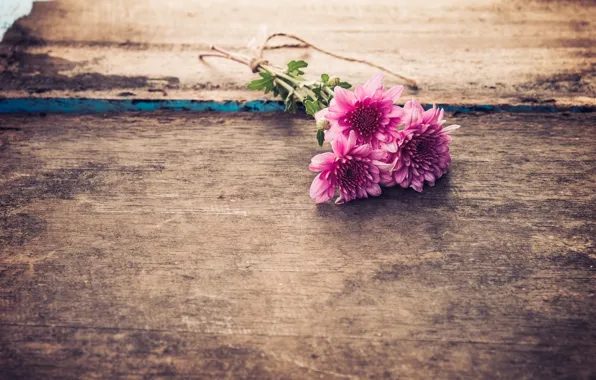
[
  {"x": 460, "y": 51},
  {"x": 185, "y": 245},
  {"x": 181, "y": 244}
]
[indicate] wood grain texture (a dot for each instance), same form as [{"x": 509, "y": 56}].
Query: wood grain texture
[
  {"x": 136, "y": 246},
  {"x": 460, "y": 51}
]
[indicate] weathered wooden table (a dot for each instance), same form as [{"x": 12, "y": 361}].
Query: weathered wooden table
[
  {"x": 186, "y": 244},
  {"x": 177, "y": 244}
]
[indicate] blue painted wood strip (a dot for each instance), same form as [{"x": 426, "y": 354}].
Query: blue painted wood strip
[{"x": 89, "y": 106}]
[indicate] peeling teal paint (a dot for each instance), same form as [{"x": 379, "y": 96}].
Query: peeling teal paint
[
  {"x": 71, "y": 105},
  {"x": 89, "y": 106}
]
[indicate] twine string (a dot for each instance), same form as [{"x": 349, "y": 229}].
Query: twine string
[
  {"x": 258, "y": 61},
  {"x": 305, "y": 44}
]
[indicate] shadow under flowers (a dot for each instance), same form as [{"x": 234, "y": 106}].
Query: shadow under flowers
[
  {"x": 396, "y": 202},
  {"x": 400, "y": 222}
]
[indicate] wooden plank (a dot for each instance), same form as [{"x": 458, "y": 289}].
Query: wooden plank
[
  {"x": 186, "y": 244},
  {"x": 461, "y": 52}
]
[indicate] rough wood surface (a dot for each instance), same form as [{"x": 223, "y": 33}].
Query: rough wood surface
[
  {"x": 460, "y": 51},
  {"x": 137, "y": 246}
]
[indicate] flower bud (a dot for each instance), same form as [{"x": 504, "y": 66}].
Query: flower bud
[
  {"x": 333, "y": 81},
  {"x": 323, "y": 124}
]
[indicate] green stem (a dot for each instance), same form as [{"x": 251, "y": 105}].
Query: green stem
[
  {"x": 296, "y": 82},
  {"x": 309, "y": 92},
  {"x": 282, "y": 75},
  {"x": 291, "y": 90}
]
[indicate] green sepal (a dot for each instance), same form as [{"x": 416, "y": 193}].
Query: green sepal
[{"x": 320, "y": 136}]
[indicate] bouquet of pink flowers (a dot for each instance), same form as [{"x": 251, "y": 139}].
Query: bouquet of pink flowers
[
  {"x": 374, "y": 142},
  {"x": 369, "y": 150}
]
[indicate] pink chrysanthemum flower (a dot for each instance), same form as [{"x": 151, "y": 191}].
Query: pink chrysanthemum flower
[
  {"x": 369, "y": 111},
  {"x": 423, "y": 149},
  {"x": 351, "y": 168}
]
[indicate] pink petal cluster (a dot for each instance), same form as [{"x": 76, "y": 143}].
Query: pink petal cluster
[
  {"x": 369, "y": 111},
  {"x": 368, "y": 148},
  {"x": 423, "y": 149},
  {"x": 351, "y": 168}
]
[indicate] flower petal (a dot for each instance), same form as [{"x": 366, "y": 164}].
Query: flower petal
[
  {"x": 379, "y": 155},
  {"x": 331, "y": 133},
  {"x": 319, "y": 189},
  {"x": 321, "y": 114},
  {"x": 396, "y": 111},
  {"x": 428, "y": 116},
  {"x": 343, "y": 97},
  {"x": 384, "y": 167},
  {"x": 322, "y": 162},
  {"x": 359, "y": 93},
  {"x": 393, "y": 93},
  {"x": 352, "y": 138},
  {"x": 363, "y": 150},
  {"x": 361, "y": 193},
  {"x": 374, "y": 190},
  {"x": 330, "y": 192},
  {"x": 416, "y": 185},
  {"x": 371, "y": 86},
  {"x": 340, "y": 145},
  {"x": 390, "y": 146},
  {"x": 401, "y": 174},
  {"x": 440, "y": 116},
  {"x": 414, "y": 113},
  {"x": 429, "y": 176},
  {"x": 450, "y": 128},
  {"x": 387, "y": 181}
]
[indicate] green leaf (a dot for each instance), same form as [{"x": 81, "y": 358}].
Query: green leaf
[
  {"x": 324, "y": 78},
  {"x": 312, "y": 107},
  {"x": 283, "y": 93},
  {"x": 344, "y": 85},
  {"x": 257, "y": 84},
  {"x": 317, "y": 91},
  {"x": 266, "y": 83},
  {"x": 320, "y": 136},
  {"x": 295, "y": 66}
]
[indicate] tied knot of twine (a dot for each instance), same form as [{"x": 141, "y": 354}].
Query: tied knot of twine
[{"x": 257, "y": 62}]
